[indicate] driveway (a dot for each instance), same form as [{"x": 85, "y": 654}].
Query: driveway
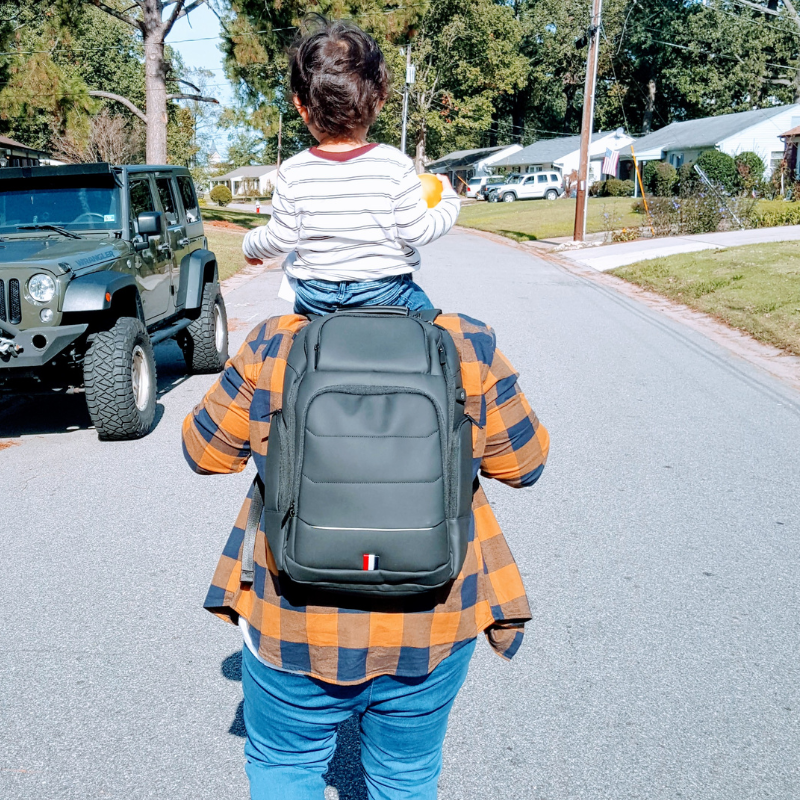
[{"x": 659, "y": 550}]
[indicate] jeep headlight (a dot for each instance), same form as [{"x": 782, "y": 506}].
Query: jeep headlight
[{"x": 42, "y": 288}]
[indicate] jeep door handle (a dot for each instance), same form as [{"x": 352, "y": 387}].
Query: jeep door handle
[{"x": 183, "y": 242}]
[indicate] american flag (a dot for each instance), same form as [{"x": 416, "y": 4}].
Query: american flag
[{"x": 610, "y": 162}]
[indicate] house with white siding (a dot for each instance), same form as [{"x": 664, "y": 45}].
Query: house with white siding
[
  {"x": 563, "y": 154},
  {"x": 248, "y": 181},
  {"x": 758, "y": 131},
  {"x": 461, "y": 165}
]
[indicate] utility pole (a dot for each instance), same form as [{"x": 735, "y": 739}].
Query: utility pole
[
  {"x": 582, "y": 199},
  {"x": 409, "y": 80},
  {"x": 280, "y": 134}
]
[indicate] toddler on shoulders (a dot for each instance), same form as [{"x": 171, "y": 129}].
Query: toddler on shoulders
[{"x": 349, "y": 215}]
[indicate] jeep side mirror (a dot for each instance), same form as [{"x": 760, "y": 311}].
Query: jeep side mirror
[{"x": 150, "y": 223}]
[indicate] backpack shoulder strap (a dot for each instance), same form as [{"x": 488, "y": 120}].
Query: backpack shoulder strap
[
  {"x": 250, "y": 531},
  {"x": 427, "y": 314}
]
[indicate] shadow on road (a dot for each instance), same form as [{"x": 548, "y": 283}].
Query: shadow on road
[
  {"x": 344, "y": 772},
  {"x": 65, "y": 411}
]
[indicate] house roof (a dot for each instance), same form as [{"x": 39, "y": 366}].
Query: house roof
[
  {"x": 545, "y": 151},
  {"x": 705, "y": 132},
  {"x": 463, "y": 158},
  {"x": 792, "y": 132},
  {"x": 246, "y": 172},
  {"x": 6, "y": 142}
]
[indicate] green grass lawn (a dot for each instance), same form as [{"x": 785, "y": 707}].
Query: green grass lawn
[
  {"x": 227, "y": 245},
  {"x": 544, "y": 219},
  {"x": 243, "y": 218},
  {"x": 527, "y": 220},
  {"x": 755, "y": 288}
]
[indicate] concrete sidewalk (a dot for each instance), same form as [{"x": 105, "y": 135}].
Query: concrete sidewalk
[{"x": 610, "y": 256}]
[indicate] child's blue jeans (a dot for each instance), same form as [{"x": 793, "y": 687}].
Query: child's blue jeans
[
  {"x": 324, "y": 297},
  {"x": 291, "y": 725}
]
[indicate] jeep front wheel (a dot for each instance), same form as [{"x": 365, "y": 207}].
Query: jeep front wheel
[
  {"x": 119, "y": 375},
  {"x": 205, "y": 341}
]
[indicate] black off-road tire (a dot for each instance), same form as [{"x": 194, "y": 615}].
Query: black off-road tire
[
  {"x": 119, "y": 376},
  {"x": 205, "y": 341},
  {"x": 551, "y": 194}
]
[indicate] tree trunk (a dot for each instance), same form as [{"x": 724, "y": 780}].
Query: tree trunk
[
  {"x": 155, "y": 75},
  {"x": 518, "y": 113},
  {"x": 649, "y": 107},
  {"x": 419, "y": 151}
]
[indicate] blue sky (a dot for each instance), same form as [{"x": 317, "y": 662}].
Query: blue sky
[{"x": 197, "y": 39}]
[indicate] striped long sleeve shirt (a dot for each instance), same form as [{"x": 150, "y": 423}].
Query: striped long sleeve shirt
[
  {"x": 406, "y": 637},
  {"x": 352, "y": 216}
]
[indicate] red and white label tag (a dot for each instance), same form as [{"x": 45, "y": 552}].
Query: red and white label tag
[{"x": 371, "y": 562}]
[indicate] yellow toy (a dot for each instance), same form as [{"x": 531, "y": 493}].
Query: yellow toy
[{"x": 431, "y": 189}]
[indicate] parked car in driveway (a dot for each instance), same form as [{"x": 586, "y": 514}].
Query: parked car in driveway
[
  {"x": 491, "y": 183},
  {"x": 537, "y": 185}
]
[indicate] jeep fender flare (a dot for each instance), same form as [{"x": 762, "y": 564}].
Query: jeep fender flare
[
  {"x": 197, "y": 269},
  {"x": 97, "y": 290}
]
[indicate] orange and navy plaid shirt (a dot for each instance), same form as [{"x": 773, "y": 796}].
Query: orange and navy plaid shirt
[{"x": 407, "y": 637}]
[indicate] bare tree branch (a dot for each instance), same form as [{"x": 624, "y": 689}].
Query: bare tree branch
[
  {"x": 759, "y": 7},
  {"x": 173, "y": 17},
  {"x": 188, "y": 83},
  {"x": 125, "y": 102},
  {"x": 198, "y": 97},
  {"x": 180, "y": 11},
  {"x": 191, "y": 7},
  {"x": 134, "y": 23}
]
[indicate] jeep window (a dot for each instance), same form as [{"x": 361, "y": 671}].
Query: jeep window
[
  {"x": 73, "y": 204},
  {"x": 164, "y": 186},
  {"x": 190, "y": 205},
  {"x": 141, "y": 197}
]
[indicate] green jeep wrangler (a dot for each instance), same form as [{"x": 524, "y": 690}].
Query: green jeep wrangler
[{"x": 99, "y": 263}]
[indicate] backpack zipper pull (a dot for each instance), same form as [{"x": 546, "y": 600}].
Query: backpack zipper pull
[
  {"x": 316, "y": 355},
  {"x": 289, "y": 513}
]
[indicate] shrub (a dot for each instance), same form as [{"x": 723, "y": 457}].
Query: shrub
[
  {"x": 665, "y": 180},
  {"x": 221, "y": 195},
  {"x": 649, "y": 175},
  {"x": 749, "y": 171},
  {"x": 720, "y": 168},
  {"x": 614, "y": 187},
  {"x": 688, "y": 180},
  {"x": 782, "y": 216},
  {"x": 700, "y": 213}
]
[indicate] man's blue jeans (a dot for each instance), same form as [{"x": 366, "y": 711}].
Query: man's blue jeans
[
  {"x": 291, "y": 729},
  {"x": 324, "y": 297}
]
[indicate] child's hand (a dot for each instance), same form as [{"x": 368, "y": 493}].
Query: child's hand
[
  {"x": 445, "y": 181},
  {"x": 253, "y": 261}
]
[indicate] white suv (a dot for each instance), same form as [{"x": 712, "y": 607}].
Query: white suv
[{"x": 529, "y": 187}]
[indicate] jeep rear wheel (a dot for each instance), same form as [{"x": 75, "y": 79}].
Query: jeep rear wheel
[
  {"x": 205, "y": 341},
  {"x": 119, "y": 374}
]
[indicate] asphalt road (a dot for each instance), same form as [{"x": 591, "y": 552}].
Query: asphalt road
[{"x": 660, "y": 551}]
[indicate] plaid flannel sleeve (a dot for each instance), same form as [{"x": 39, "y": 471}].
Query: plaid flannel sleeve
[
  {"x": 216, "y": 434},
  {"x": 516, "y": 442}
]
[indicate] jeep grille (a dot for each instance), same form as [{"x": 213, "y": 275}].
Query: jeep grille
[
  {"x": 14, "y": 302},
  {"x": 3, "y": 302}
]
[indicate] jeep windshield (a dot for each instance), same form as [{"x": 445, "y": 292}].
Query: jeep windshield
[{"x": 77, "y": 203}]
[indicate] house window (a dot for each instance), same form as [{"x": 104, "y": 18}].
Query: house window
[{"x": 775, "y": 161}]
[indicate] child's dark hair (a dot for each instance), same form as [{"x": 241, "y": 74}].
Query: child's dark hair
[{"x": 338, "y": 73}]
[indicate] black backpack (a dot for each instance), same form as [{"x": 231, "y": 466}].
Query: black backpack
[{"x": 367, "y": 485}]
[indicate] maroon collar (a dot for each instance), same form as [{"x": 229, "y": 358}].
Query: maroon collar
[{"x": 346, "y": 155}]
